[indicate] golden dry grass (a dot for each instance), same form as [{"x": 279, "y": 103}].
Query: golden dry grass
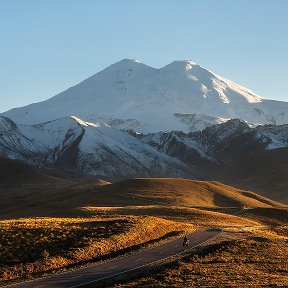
[
  {"x": 261, "y": 260},
  {"x": 34, "y": 246},
  {"x": 197, "y": 217},
  {"x": 64, "y": 198},
  {"x": 192, "y": 193}
]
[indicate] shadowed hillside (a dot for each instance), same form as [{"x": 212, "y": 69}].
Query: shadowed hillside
[
  {"x": 270, "y": 216},
  {"x": 265, "y": 173},
  {"x": 16, "y": 173}
]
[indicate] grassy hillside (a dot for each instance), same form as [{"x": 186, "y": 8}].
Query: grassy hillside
[
  {"x": 53, "y": 196},
  {"x": 197, "y": 217},
  {"x": 190, "y": 193},
  {"x": 26, "y": 192},
  {"x": 56, "y": 199}
]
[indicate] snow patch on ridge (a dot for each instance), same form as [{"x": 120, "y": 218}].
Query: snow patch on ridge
[{"x": 85, "y": 123}]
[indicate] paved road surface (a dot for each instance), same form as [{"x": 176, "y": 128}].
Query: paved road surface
[{"x": 77, "y": 278}]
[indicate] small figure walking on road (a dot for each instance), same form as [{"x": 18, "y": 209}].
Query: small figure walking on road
[{"x": 185, "y": 242}]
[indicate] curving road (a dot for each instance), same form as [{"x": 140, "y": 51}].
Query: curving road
[{"x": 96, "y": 272}]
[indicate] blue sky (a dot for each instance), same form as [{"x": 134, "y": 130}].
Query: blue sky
[{"x": 47, "y": 46}]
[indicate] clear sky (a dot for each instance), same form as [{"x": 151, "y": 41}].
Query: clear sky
[{"x": 47, "y": 46}]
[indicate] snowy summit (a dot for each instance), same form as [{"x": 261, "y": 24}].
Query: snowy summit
[{"x": 179, "y": 96}]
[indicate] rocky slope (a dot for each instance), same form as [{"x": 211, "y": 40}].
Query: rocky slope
[{"x": 222, "y": 143}]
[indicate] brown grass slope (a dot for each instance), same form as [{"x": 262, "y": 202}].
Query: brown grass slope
[
  {"x": 49, "y": 199},
  {"x": 190, "y": 193},
  {"x": 197, "y": 217},
  {"x": 26, "y": 192},
  {"x": 39, "y": 195},
  {"x": 61, "y": 199}
]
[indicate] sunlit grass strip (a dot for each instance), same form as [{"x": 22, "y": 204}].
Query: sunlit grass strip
[{"x": 38, "y": 245}]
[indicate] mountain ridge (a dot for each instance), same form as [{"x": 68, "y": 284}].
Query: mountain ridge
[{"x": 95, "y": 150}]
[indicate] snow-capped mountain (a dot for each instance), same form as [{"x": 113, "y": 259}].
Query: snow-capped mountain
[
  {"x": 93, "y": 149},
  {"x": 96, "y": 149},
  {"x": 181, "y": 96}
]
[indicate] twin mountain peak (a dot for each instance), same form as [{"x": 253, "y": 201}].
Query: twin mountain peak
[{"x": 180, "y": 96}]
